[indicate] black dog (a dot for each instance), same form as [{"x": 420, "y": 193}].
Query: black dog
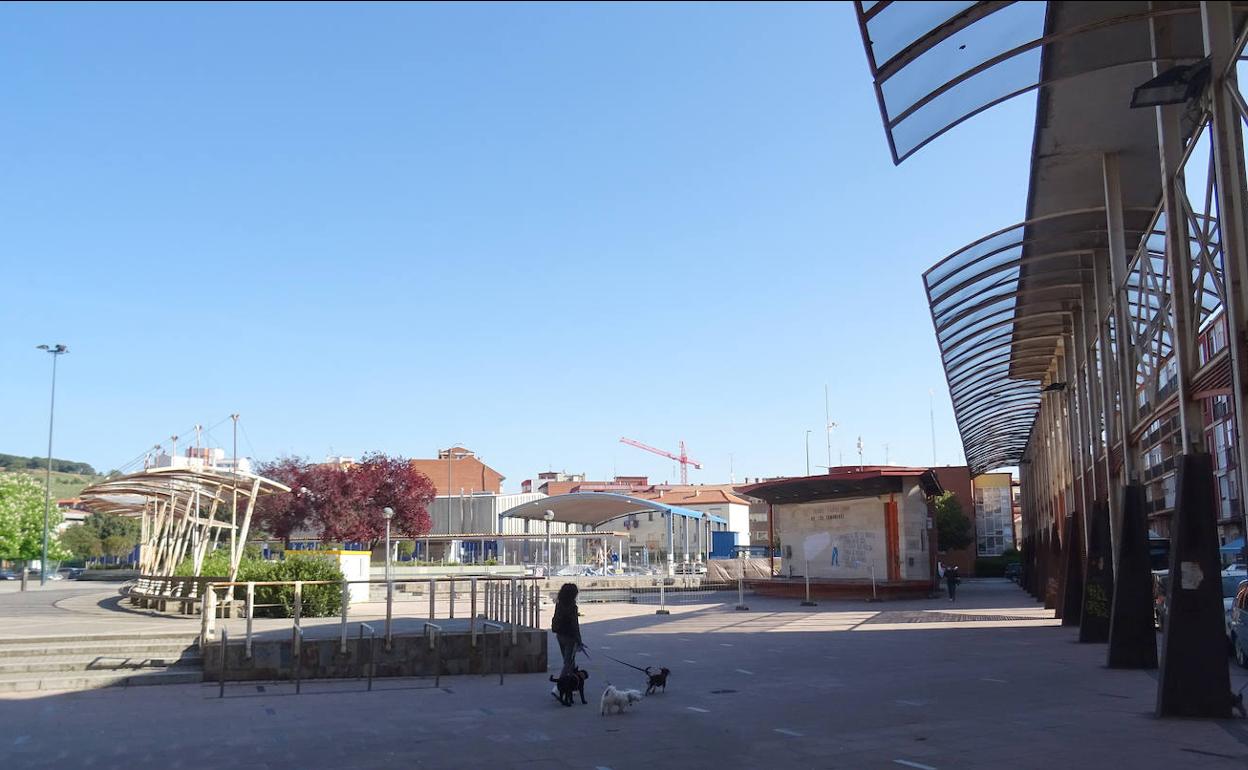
[
  {"x": 569, "y": 685},
  {"x": 656, "y": 680}
]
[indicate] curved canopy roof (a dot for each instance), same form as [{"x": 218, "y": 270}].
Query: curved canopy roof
[
  {"x": 999, "y": 307},
  {"x": 595, "y": 509},
  {"x": 936, "y": 64},
  {"x": 129, "y": 495}
]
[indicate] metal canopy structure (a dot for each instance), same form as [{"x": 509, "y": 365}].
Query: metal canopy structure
[
  {"x": 595, "y": 509},
  {"x": 183, "y": 512},
  {"x": 1001, "y": 306},
  {"x": 1105, "y": 334},
  {"x": 937, "y": 64}
]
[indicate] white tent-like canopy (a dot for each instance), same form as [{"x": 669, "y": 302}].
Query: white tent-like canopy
[{"x": 183, "y": 511}]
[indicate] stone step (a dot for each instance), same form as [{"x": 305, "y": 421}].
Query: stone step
[
  {"x": 98, "y": 662},
  {"x": 154, "y": 636},
  {"x": 90, "y": 680},
  {"x": 132, "y": 648}
]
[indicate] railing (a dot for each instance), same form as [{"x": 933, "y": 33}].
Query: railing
[
  {"x": 372, "y": 651},
  {"x": 435, "y": 646},
  {"x": 296, "y": 656},
  {"x": 514, "y": 601},
  {"x": 488, "y": 625}
]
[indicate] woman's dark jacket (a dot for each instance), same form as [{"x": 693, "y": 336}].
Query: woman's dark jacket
[{"x": 565, "y": 622}]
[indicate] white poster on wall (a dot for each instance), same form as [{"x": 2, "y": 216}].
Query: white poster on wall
[{"x": 837, "y": 539}]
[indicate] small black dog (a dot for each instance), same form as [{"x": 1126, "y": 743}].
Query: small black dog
[
  {"x": 567, "y": 686},
  {"x": 656, "y": 680}
]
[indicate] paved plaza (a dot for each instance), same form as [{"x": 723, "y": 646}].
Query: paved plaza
[{"x": 990, "y": 681}]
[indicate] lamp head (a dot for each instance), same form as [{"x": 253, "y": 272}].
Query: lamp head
[
  {"x": 388, "y": 513},
  {"x": 549, "y": 515}
]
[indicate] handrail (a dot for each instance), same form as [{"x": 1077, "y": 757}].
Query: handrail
[
  {"x": 376, "y": 581},
  {"x": 225, "y": 638},
  {"x": 487, "y": 625},
  {"x": 372, "y": 651},
  {"x": 296, "y": 656},
  {"x": 437, "y": 658}
]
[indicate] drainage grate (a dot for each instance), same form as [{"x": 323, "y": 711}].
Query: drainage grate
[{"x": 722, "y": 692}]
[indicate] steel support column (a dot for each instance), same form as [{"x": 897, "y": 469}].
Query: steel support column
[{"x": 1227, "y": 146}]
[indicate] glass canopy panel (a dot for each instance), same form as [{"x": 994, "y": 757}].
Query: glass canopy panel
[
  {"x": 963, "y": 259},
  {"x": 1008, "y": 78},
  {"x": 994, "y": 311},
  {"x": 900, "y": 24},
  {"x": 1006, "y": 280},
  {"x": 961, "y": 52}
]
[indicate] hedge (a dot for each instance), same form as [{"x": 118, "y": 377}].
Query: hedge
[{"x": 278, "y": 601}]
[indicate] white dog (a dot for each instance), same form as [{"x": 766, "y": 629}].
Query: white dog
[{"x": 613, "y": 698}]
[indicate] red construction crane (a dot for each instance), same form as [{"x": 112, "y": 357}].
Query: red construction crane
[{"x": 684, "y": 459}]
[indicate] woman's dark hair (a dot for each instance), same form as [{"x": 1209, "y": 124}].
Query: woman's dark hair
[{"x": 567, "y": 594}]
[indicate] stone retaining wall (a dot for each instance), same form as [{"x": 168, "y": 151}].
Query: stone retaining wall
[{"x": 409, "y": 656}]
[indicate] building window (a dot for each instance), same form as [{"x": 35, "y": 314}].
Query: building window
[{"x": 994, "y": 520}]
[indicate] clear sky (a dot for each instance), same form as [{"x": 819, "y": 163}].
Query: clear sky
[{"x": 530, "y": 229}]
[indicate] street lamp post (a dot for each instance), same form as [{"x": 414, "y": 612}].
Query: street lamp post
[
  {"x": 388, "y": 513},
  {"x": 549, "y": 516},
  {"x": 57, "y": 351},
  {"x": 807, "y": 453}
]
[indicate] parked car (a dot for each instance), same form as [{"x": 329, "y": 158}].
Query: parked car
[
  {"x": 690, "y": 568},
  {"x": 9, "y": 575},
  {"x": 71, "y": 573},
  {"x": 575, "y": 570},
  {"x": 1239, "y": 624},
  {"x": 1161, "y": 579},
  {"x": 1231, "y": 579}
]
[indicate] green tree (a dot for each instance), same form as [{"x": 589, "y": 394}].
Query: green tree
[
  {"x": 953, "y": 529},
  {"x": 82, "y": 542},
  {"x": 21, "y": 519},
  {"x": 106, "y": 524},
  {"x": 118, "y": 546}
]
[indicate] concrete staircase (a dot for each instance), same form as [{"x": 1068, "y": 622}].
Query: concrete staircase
[{"x": 98, "y": 660}]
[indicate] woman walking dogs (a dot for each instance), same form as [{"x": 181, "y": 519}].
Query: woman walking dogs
[{"x": 567, "y": 627}]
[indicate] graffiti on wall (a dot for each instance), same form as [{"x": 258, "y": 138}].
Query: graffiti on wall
[{"x": 842, "y": 549}]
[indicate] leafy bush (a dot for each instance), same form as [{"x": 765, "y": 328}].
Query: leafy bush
[
  {"x": 319, "y": 601},
  {"x": 990, "y": 566},
  {"x": 279, "y": 601},
  {"x": 217, "y": 563}
]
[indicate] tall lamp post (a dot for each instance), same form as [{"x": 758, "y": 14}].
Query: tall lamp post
[
  {"x": 57, "y": 351},
  {"x": 549, "y": 516},
  {"x": 808, "y": 453},
  {"x": 388, "y": 514}
]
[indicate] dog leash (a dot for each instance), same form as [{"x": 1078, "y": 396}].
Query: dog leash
[{"x": 630, "y": 665}]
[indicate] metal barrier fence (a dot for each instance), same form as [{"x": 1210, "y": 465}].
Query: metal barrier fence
[
  {"x": 672, "y": 592},
  {"x": 514, "y": 601},
  {"x": 500, "y": 604}
]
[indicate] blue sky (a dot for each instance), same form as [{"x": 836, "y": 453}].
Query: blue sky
[{"x": 530, "y": 229}]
